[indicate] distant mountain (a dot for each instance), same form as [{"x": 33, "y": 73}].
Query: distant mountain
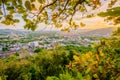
[
  {"x": 22, "y": 32},
  {"x": 100, "y": 32},
  {"x": 6, "y": 32}
]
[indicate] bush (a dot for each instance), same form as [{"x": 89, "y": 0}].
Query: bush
[{"x": 37, "y": 50}]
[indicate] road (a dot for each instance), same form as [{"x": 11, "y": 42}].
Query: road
[{"x": 6, "y": 54}]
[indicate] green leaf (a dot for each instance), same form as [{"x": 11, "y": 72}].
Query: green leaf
[
  {"x": 40, "y": 7},
  {"x": 1, "y": 13},
  {"x": 28, "y": 5},
  {"x": 10, "y": 8},
  {"x": 41, "y": 1},
  {"x": 33, "y": 5},
  {"x": 111, "y": 12},
  {"x": 52, "y": 78},
  {"x": 79, "y": 76},
  {"x": 101, "y": 69},
  {"x": 16, "y": 20},
  {"x": 0, "y": 17},
  {"x": 20, "y": 2},
  {"x": 0, "y": 2},
  {"x": 89, "y": 1},
  {"x": 32, "y": 0},
  {"x": 82, "y": 24}
]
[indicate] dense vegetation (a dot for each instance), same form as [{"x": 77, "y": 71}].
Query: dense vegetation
[{"x": 101, "y": 61}]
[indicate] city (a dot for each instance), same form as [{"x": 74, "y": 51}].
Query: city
[{"x": 14, "y": 42}]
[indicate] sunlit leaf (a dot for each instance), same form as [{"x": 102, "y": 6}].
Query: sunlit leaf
[{"x": 28, "y": 5}]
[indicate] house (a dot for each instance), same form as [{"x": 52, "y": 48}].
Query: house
[
  {"x": 12, "y": 49},
  {"x": 33, "y": 44},
  {"x": 1, "y": 48},
  {"x": 17, "y": 48}
]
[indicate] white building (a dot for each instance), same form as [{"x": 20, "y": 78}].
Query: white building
[
  {"x": 1, "y": 48},
  {"x": 33, "y": 44}
]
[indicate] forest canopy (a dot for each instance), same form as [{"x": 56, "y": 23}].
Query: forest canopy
[{"x": 51, "y": 12}]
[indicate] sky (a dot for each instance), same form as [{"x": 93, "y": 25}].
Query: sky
[{"x": 77, "y": 18}]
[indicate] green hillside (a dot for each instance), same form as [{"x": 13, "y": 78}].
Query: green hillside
[{"x": 100, "y": 61}]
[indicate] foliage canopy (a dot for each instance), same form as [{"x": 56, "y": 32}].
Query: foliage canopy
[{"x": 51, "y": 12}]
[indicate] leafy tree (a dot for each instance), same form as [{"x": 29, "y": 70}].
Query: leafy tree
[
  {"x": 37, "y": 50},
  {"x": 50, "y": 12},
  {"x": 101, "y": 61},
  {"x": 117, "y": 32},
  {"x": 112, "y": 14},
  {"x": 66, "y": 76}
]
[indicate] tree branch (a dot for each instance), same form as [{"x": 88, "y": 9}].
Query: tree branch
[
  {"x": 64, "y": 7},
  {"x": 44, "y": 8},
  {"x": 47, "y": 6},
  {"x": 4, "y": 8},
  {"x": 74, "y": 8}
]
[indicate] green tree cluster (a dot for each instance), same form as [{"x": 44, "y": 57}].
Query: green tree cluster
[{"x": 112, "y": 14}]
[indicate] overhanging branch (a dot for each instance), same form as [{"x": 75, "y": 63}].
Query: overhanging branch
[{"x": 4, "y": 7}]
